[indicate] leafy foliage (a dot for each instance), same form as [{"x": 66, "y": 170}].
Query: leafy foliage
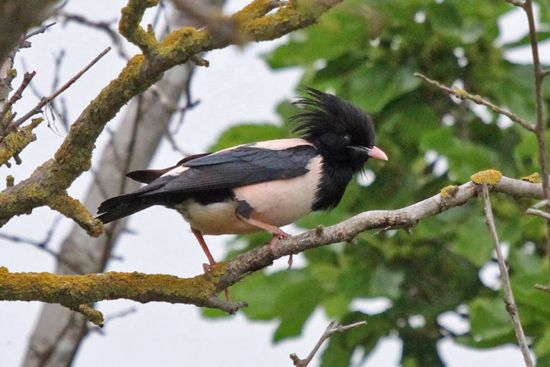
[{"x": 367, "y": 51}]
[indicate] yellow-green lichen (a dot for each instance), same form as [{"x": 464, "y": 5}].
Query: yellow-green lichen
[
  {"x": 12, "y": 73},
  {"x": 533, "y": 178},
  {"x": 73, "y": 209},
  {"x": 94, "y": 316},
  {"x": 129, "y": 27},
  {"x": 449, "y": 191},
  {"x": 489, "y": 177},
  {"x": 460, "y": 93},
  {"x": 78, "y": 291},
  {"x": 14, "y": 143}
]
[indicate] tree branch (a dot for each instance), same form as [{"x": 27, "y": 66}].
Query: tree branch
[
  {"x": 508, "y": 295},
  {"x": 540, "y": 127},
  {"x": 332, "y": 328},
  {"x": 202, "y": 290},
  {"x": 462, "y": 94},
  {"x": 13, "y": 143},
  {"x": 44, "y": 101}
]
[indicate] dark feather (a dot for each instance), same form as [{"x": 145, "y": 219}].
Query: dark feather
[
  {"x": 149, "y": 175},
  {"x": 324, "y": 113}
]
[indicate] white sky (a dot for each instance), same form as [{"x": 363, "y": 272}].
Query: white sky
[{"x": 236, "y": 87}]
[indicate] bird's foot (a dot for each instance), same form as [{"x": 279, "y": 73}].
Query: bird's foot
[
  {"x": 208, "y": 268},
  {"x": 277, "y": 235}
]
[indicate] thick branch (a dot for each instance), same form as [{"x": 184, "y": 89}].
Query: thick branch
[
  {"x": 202, "y": 290},
  {"x": 74, "y": 291},
  {"x": 74, "y": 155}
]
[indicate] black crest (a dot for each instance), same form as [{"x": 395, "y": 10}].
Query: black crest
[{"x": 324, "y": 113}]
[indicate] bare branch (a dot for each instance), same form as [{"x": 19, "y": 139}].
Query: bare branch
[
  {"x": 508, "y": 295},
  {"x": 332, "y": 328},
  {"x": 462, "y": 94},
  {"x": 103, "y": 26},
  {"x": 41, "y": 245},
  {"x": 14, "y": 98},
  {"x": 39, "y": 30},
  {"x": 36, "y": 109},
  {"x": 540, "y": 125},
  {"x": 538, "y": 213}
]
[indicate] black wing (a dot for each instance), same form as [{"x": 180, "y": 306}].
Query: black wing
[
  {"x": 244, "y": 165},
  {"x": 150, "y": 175}
]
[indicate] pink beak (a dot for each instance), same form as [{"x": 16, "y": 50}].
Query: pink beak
[{"x": 377, "y": 153}]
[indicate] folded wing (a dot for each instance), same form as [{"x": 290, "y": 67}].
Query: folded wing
[{"x": 241, "y": 166}]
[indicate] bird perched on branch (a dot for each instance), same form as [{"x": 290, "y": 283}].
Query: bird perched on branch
[{"x": 262, "y": 185}]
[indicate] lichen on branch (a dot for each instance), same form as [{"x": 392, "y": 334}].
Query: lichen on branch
[
  {"x": 129, "y": 27},
  {"x": 14, "y": 142}
]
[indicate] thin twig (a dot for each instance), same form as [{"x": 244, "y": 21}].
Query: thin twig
[
  {"x": 538, "y": 213},
  {"x": 41, "y": 245},
  {"x": 509, "y": 301},
  {"x": 39, "y": 30},
  {"x": 332, "y": 328},
  {"x": 64, "y": 87},
  {"x": 540, "y": 126},
  {"x": 18, "y": 94},
  {"x": 540, "y": 204},
  {"x": 462, "y": 94},
  {"x": 103, "y": 26}
]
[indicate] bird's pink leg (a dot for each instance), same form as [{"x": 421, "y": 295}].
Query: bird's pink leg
[
  {"x": 204, "y": 246},
  {"x": 206, "y": 250},
  {"x": 277, "y": 233}
]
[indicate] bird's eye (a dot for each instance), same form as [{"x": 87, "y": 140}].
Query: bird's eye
[{"x": 347, "y": 139}]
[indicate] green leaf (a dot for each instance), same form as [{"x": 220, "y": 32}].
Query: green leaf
[
  {"x": 337, "y": 306},
  {"x": 490, "y": 323},
  {"x": 473, "y": 241},
  {"x": 464, "y": 158},
  {"x": 374, "y": 87},
  {"x": 542, "y": 348},
  {"x": 295, "y": 303},
  {"x": 386, "y": 282}
]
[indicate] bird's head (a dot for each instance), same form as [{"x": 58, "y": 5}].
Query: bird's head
[{"x": 341, "y": 132}]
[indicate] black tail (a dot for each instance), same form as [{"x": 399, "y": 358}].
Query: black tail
[{"x": 122, "y": 206}]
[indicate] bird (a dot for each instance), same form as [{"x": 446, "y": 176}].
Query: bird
[{"x": 261, "y": 186}]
